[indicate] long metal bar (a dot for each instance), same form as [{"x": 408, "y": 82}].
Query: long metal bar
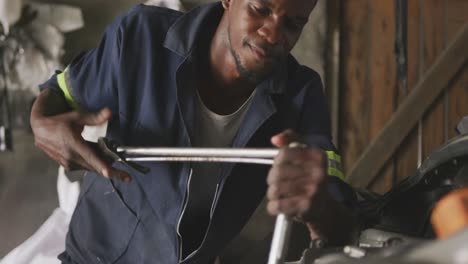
[
  {"x": 202, "y": 159},
  {"x": 199, "y": 152}
]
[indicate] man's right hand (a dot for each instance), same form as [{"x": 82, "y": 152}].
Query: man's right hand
[{"x": 58, "y": 133}]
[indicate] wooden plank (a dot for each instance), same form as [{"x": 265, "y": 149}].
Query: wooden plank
[
  {"x": 457, "y": 11},
  {"x": 382, "y": 72},
  {"x": 384, "y": 181},
  {"x": 406, "y": 156},
  {"x": 400, "y": 124},
  {"x": 433, "y": 12},
  {"x": 354, "y": 80}
]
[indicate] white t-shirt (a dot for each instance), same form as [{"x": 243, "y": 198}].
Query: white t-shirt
[{"x": 214, "y": 131}]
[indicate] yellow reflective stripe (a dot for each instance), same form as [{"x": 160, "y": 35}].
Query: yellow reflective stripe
[
  {"x": 336, "y": 172},
  {"x": 333, "y": 156},
  {"x": 334, "y": 165},
  {"x": 62, "y": 82}
]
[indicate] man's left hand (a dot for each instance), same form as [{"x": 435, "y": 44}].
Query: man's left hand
[
  {"x": 297, "y": 187},
  {"x": 297, "y": 179}
]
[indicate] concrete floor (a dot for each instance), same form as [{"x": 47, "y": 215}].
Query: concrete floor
[{"x": 28, "y": 192}]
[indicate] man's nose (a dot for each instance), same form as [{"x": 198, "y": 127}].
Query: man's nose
[{"x": 272, "y": 31}]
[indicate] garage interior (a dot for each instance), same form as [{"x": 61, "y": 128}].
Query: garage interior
[{"x": 394, "y": 71}]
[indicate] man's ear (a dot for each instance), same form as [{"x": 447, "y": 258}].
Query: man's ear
[{"x": 226, "y": 4}]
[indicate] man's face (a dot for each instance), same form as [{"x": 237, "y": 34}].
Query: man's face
[{"x": 261, "y": 33}]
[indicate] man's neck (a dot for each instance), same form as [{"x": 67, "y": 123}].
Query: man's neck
[
  {"x": 222, "y": 97},
  {"x": 220, "y": 86}
]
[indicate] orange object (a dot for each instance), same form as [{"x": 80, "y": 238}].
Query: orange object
[{"x": 450, "y": 214}]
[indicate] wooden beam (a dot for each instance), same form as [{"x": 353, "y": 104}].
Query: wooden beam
[{"x": 411, "y": 110}]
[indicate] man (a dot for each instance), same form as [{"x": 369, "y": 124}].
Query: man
[{"x": 218, "y": 76}]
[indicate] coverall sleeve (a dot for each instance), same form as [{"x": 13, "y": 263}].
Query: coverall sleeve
[
  {"x": 316, "y": 131},
  {"x": 90, "y": 82}
]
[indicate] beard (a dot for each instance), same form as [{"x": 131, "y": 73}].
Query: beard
[
  {"x": 244, "y": 73},
  {"x": 249, "y": 75}
]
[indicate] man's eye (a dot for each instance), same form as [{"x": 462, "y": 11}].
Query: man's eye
[{"x": 261, "y": 11}]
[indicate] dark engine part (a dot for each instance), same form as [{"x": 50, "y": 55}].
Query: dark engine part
[
  {"x": 406, "y": 251},
  {"x": 407, "y": 208}
]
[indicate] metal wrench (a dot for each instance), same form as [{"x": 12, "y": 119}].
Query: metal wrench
[{"x": 128, "y": 155}]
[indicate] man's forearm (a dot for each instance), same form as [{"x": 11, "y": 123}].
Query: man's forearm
[{"x": 48, "y": 103}]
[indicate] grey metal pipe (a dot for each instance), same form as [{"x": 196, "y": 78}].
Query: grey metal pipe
[
  {"x": 199, "y": 152},
  {"x": 202, "y": 159},
  {"x": 280, "y": 241},
  {"x": 282, "y": 232}
]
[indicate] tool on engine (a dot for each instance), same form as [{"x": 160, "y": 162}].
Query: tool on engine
[
  {"x": 144, "y": 154},
  {"x": 128, "y": 156}
]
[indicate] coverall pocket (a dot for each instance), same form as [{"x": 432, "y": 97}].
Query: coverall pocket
[{"x": 102, "y": 225}]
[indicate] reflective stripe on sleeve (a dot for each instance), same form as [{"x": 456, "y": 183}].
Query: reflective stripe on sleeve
[
  {"x": 64, "y": 84},
  {"x": 334, "y": 165}
]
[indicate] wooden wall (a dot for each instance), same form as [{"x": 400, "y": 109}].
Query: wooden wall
[{"x": 368, "y": 87}]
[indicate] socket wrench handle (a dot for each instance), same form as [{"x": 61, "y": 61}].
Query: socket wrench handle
[
  {"x": 282, "y": 231},
  {"x": 280, "y": 241}
]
